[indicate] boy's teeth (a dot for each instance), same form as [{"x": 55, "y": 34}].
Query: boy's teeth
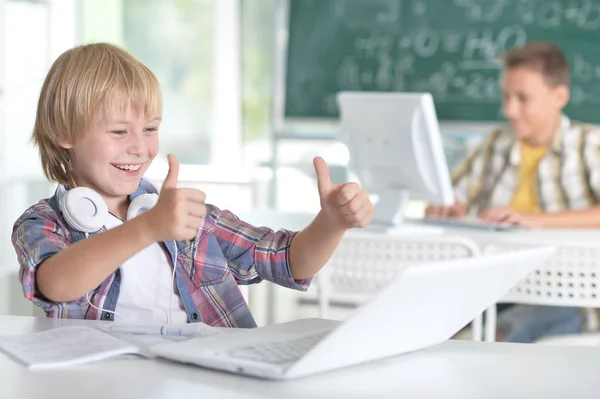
[{"x": 128, "y": 167}]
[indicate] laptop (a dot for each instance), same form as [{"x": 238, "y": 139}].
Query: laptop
[{"x": 423, "y": 305}]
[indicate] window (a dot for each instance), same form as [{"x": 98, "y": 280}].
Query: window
[
  {"x": 257, "y": 68},
  {"x": 174, "y": 39}
]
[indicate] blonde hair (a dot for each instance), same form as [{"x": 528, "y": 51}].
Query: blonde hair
[{"x": 85, "y": 83}]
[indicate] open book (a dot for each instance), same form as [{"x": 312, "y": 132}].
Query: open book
[{"x": 65, "y": 346}]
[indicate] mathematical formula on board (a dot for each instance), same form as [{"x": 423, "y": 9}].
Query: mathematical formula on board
[
  {"x": 583, "y": 14},
  {"x": 467, "y": 71}
]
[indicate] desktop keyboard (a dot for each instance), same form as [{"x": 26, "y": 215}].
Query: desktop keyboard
[
  {"x": 468, "y": 223},
  {"x": 277, "y": 352}
]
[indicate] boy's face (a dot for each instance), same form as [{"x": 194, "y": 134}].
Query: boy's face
[
  {"x": 530, "y": 104},
  {"x": 113, "y": 155}
]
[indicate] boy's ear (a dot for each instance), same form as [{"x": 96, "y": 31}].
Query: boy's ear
[
  {"x": 562, "y": 94},
  {"x": 66, "y": 145}
]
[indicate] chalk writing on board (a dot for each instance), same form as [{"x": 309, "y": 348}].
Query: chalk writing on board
[
  {"x": 585, "y": 14},
  {"x": 390, "y": 62},
  {"x": 482, "y": 12},
  {"x": 387, "y": 62}
]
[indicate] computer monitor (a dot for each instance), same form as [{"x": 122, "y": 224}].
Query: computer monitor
[{"x": 396, "y": 150}]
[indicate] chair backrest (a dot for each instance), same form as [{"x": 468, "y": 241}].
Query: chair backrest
[
  {"x": 275, "y": 219},
  {"x": 245, "y": 290},
  {"x": 570, "y": 278},
  {"x": 365, "y": 262}
]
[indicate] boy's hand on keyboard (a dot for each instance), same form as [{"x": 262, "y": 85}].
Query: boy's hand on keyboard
[
  {"x": 179, "y": 212},
  {"x": 456, "y": 211},
  {"x": 509, "y": 216},
  {"x": 347, "y": 205}
]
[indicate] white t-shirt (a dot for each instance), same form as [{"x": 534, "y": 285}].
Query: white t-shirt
[{"x": 146, "y": 287}]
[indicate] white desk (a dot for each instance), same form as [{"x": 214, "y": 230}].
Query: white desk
[
  {"x": 297, "y": 221},
  {"x": 483, "y": 237},
  {"x": 455, "y": 369}
]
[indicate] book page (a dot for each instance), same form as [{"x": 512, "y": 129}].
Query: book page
[{"x": 64, "y": 346}]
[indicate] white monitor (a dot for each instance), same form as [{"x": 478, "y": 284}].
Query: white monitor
[{"x": 396, "y": 150}]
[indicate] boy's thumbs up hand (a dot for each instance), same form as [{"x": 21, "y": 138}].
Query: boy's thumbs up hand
[
  {"x": 347, "y": 205},
  {"x": 179, "y": 212},
  {"x": 324, "y": 183},
  {"x": 173, "y": 173}
]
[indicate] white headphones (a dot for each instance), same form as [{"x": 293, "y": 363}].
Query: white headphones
[{"x": 85, "y": 210}]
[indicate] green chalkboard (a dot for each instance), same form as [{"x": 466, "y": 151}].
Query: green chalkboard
[{"x": 446, "y": 47}]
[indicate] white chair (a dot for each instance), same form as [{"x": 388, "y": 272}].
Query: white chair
[
  {"x": 365, "y": 262},
  {"x": 570, "y": 278},
  {"x": 275, "y": 219}
]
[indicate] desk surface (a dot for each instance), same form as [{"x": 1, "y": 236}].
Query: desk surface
[
  {"x": 482, "y": 237},
  {"x": 298, "y": 220},
  {"x": 454, "y": 369}
]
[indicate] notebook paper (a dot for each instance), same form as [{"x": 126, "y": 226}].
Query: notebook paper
[{"x": 64, "y": 346}]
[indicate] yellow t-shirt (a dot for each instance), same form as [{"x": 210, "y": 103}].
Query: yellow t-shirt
[{"x": 525, "y": 198}]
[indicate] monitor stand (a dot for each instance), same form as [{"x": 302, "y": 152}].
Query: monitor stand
[{"x": 389, "y": 215}]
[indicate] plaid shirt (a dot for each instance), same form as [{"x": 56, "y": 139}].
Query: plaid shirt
[
  {"x": 568, "y": 176},
  {"x": 226, "y": 252}
]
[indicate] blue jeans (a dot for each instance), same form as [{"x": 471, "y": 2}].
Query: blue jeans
[{"x": 529, "y": 323}]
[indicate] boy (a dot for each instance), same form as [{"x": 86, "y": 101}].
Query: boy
[
  {"x": 97, "y": 127},
  {"x": 520, "y": 175},
  {"x": 542, "y": 172}
]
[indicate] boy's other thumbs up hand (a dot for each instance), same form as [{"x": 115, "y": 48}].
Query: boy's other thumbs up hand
[{"x": 347, "y": 205}]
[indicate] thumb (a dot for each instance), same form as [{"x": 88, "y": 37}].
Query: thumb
[
  {"x": 323, "y": 180},
  {"x": 173, "y": 174}
]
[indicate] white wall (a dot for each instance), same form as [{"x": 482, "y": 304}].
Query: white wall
[{"x": 31, "y": 36}]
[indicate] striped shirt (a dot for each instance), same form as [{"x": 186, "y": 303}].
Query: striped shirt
[
  {"x": 568, "y": 176},
  {"x": 226, "y": 252}
]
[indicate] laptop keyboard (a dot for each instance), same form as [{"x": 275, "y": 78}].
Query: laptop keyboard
[{"x": 277, "y": 352}]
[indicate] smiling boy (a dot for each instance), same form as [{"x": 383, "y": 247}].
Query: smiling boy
[{"x": 97, "y": 128}]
